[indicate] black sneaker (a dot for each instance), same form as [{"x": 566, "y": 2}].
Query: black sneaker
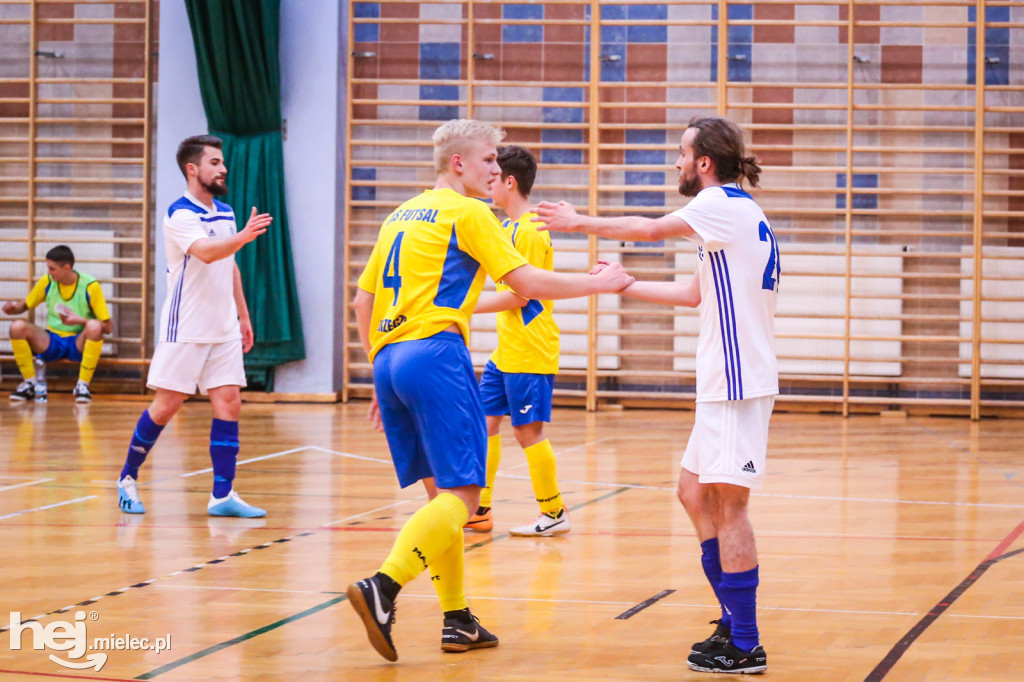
[
  {"x": 26, "y": 391},
  {"x": 719, "y": 636},
  {"x": 458, "y": 636},
  {"x": 726, "y": 658},
  {"x": 377, "y": 612}
]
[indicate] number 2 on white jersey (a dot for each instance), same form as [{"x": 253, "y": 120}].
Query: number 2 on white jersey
[{"x": 773, "y": 269}]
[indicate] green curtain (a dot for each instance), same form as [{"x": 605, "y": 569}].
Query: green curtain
[{"x": 236, "y": 43}]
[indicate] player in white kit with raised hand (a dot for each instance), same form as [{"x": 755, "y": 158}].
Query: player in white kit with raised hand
[
  {"x": 204, "y": 326},
  {"x": 736, "y": 286}
]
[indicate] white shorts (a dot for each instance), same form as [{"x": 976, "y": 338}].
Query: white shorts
[
  {"x": 729, "y": 441},
  {"x": 184, "y": 366}
]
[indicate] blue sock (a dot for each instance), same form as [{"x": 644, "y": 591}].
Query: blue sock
[
  {"x": 145, "y": 435},
  {"x": 739, "y": 594},
  {"x": 713, "y": 570},
  {"x": 223, "y": 453}
]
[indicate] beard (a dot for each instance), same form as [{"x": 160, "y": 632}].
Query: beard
[
  {"x": 217, "y": 188},
  {"x": 690, "y": 185}
]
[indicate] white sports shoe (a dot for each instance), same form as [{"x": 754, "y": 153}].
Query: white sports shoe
[
  {"x": 545, "y": 526},
  {"x": 128, "y": 496},
  {"x": 233, "y": 505}
]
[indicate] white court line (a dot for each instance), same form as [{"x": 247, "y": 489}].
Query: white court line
[
  {"x": 371, "y": 511},
  {"x": 350, "y": 455},
  {"x": 828, "y": 498},
  {"x": 558, "y": 452},
  {"x": 22, "y": 485},
  {"x": 49, "y": 506},
  {"x": 604, "y": 483},
  {"x": 252, "y": 459}
]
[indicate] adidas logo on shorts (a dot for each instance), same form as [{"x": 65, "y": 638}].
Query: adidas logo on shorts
[{"x": 748, "y": 468}]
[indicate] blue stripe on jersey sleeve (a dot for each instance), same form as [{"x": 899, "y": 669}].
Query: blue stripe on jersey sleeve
[
  {"x": 457, "y": 276},
  {"x": 184, "y": 203},
  {"x": 531, "y": 310}
]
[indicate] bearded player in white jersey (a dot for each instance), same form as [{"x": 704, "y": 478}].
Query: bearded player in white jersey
[
  {"x": 204, "y": 326},
  {"x": 736, "y": 286}
]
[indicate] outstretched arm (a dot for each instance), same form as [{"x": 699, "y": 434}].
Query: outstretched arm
[
  {"x": 685, "y": 294},
  {"x": 533, "y": 282},
  {"x": 210, "y": 250},
  {"x": 503, "y": 300},
  {"x": 562, "y": 217}
]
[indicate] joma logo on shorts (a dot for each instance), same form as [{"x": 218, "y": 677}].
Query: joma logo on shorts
[{"x": 387, "y": 325}]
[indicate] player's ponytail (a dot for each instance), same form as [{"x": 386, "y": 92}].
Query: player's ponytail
[{"x": 749, "y": 169}]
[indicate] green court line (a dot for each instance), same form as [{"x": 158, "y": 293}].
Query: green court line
[
  {"x": 241, "y": 638},
  {"x": 319, "y": 607}
]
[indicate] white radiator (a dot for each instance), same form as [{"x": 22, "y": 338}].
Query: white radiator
[{"x": 1002, "y": 277}]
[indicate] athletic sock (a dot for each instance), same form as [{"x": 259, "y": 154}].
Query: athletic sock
[
  {"x": 712, "y": 564},
  {"x": 223, "y": 453},
  {"x": 23, "y": 358},
  {"x": 541, "y": 459},
  {"x": 145, "y": 435},
  {"x": 493, "y": 459},
  {"x": 425, "y": 537},
  {"x": 739, "y": 594},
  {"x": 446, "y": 575},
  {"x": 90, "y": 358}
]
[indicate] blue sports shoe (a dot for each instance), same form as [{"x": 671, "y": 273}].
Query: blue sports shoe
[
  {"x": 128, "y": 496},
  {"x": 233, "y": 505}
]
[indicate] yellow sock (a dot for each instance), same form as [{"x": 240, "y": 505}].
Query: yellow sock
[
  {"x": 493, "y": 460},
  {"x": 425, "y": 537},
  {"x": 90, "y": 358},
  {"x": 23, "y": 358},
  {"x": 541, "y": 459},
  {"x": 446, "y": 574}
]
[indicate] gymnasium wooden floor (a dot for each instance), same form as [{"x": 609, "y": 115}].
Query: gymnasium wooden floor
[{"x": 889, "y": 549}]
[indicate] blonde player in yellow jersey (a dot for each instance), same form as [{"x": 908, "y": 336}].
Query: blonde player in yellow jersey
[
  {"x": 413, "y": 303},
  {"x": 76, "y": 320},
  {"x": 519, "y": 378}
]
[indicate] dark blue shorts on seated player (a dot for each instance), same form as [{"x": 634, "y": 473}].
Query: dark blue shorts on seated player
[
  {"x": 526, "y": 397},
  {"x": 61, "y": 347},
  {"x": 430, "y": 406}
]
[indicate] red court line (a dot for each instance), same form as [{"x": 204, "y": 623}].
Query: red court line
[
  {"x": 1007, "y": 541},
  {"x": 66, "y": 677}
]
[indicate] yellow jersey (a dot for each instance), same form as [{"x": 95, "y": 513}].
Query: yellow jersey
[
  {"x": 427, "y": 268},
  {"x": 528, "y": 336},
  {"x": 85, "y": 301}
]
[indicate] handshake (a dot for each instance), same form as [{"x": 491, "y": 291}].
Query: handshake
[{"x": 613, "y": 276}]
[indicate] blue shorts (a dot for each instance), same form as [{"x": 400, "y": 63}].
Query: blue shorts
[
  {"x": 430, "y": 406},
  {"x": 527, "y": 397},
  {"x": 61, "y": 347}
]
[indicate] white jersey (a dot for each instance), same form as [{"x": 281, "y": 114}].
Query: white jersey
[
  {"x": 739, "y": 280},
  {"x": 200, "y": 305}
]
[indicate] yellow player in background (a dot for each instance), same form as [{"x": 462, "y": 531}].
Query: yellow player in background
[
  {"x": 76, "y": 321},
  {"x": 520, "y": 376}
]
